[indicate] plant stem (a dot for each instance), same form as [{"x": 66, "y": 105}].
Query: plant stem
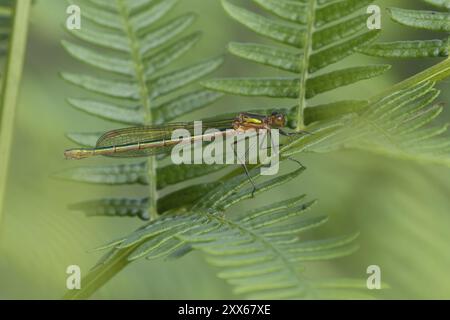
[
  {"x": 100, "y": 275},
  {"x": 145, "y": 102},
  {"x": 10, "y": 88},
  {"x": 305, "y": 65}
]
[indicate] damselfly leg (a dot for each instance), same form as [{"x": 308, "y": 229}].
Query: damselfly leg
[
  {"x": 247, "y": 172},
  {"x": 290, "y": 134},
  {"x": 295, "y": 133}
]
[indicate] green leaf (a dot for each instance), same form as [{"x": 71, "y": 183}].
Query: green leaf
[
  {"x": 136, "y": 173},
  {"x": 445, "y": 4},
  {"x": 336, "y": 32},
  {"x": 116, "y": 207},
  {"x": 260, "y": 188},
  {"x": 340, "y": 51},
  {"x": 113, "y": 88},
  {"x": 184, "y": 104},
  {"x": 335, "y": 10},
  {"x": 420, "y": 19},
  {"x": 409, "y": 49},
  {"x": 156, "y": 61},
  {"x": 267, "y": 55},
  {"x": 322, "y": 135},
  {"x": 333, "y": 110},
  {"x": 173, "y": 174},
  {"x": 161, "y": 227},
  {"x": 290, "y": 10},
  {"x": 290, "y": 87},
  {"x": 146, "y": 18},
  {"x": 273, "y": 29},
  {"x": 184, "y": 198},
  {"x": 177, "y": 79},
  {"x": 102, "y": 61},
  {"x": 269, "y": 219},
  {"x": 268, "y": 87},
  {"x": 108, "y": 111},
  {"x": 340, "y": 78},
  {"x": 166, "y": 33},
  {"x": 128, "y": 173},
  {"x": 110, "y": 40},
  {"x": 102, "y": 18}
]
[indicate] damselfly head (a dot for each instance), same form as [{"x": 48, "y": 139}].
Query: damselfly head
[{"x": 277, "y": 120}]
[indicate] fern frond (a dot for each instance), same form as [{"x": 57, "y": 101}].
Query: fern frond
[
  {"x": 262, "y": 254},
  {"x": 132, "y": 46},
  {"x": 261, "y": 250},
  {"x": 436, "y": 21},
  {"x": 400, "y": 125},
  {"x": 196, "y": 217},
  {"x": 316, "y": 34}
]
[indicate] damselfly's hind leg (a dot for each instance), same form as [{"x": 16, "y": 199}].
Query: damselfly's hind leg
[
  {"x": 297, "y": 162},
  {"x": 296, "y": 133},
  {"x": 250, "y": 179},
  {"x": 247, "y": 172}
]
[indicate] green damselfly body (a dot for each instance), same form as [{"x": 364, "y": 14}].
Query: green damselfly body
[
  {"x": 152, "y": 140},
  {"x": 158, "y": 139}
]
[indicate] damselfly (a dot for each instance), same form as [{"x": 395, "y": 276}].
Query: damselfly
[{"x": 154, "y": 140}]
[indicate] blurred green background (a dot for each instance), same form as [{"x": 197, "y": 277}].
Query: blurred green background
[{"x": 401, "y": 208}]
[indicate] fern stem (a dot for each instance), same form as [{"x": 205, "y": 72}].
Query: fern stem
[
  {"x": 101, "y": 275},
  {"x": 304, "y": 74},
  {"x": 145, "y": 101},
  {"x": 11, "y": 86}
]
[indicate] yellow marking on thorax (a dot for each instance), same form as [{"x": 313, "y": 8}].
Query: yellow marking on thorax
[{"x": 253, "y": 121}]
